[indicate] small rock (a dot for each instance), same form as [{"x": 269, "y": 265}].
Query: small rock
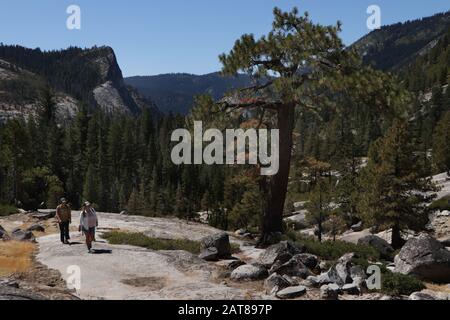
[
  {"x": 309, "y": 260},
  {"x": 36, "y": 227},
  {"x": 235, "y": 264},
  {"x": 323, "y": 265},
  {"x": 275, "y": 283},
  {"x": 15, "y": 230},
  {"x": 421, "y": 296},
  {"x": 329, "y": 292},
  {"x": 291, "y": 292},
  {"x": 9, "y": 283},
  {"x": 358, "y": 275},
  {"x": 351, "y": 288},
  {"x": 12, "y": 293},
  {"x": 44, "y": 215},
  {"x": 328, "y": 277},
  {"x": 249, "y": 273},
  {"x": 357, "y": 227},
  {"x": 310, "y": 282},
  {"x": 429, "y": 295},
  {"x": 209, "y": 254},
  {"x": 294, "y": 268},
  {"x": 445, "y": 213}
]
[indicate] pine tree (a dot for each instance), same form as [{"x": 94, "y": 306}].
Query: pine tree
[
  {"x": 441, "y": 144},
  {"x": 320, "y": 204},
  {"x": 394, "y": 190}
]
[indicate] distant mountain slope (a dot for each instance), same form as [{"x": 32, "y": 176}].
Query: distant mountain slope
[
  {"x": 430, "y": 69},
  {"x": 90, "y": 76},
  {"x": 392, "y": 47},
  {"x": 175, "y": 92}
]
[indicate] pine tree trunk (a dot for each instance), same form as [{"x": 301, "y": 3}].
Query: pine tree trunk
[
  {"x": 397, "y": 241},
  {"x": 272, "y": 223}
]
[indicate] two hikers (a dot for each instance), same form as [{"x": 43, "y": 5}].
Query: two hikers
[
  {"x": 64, "y": 219},
  {"x": 88, "y": 223}
]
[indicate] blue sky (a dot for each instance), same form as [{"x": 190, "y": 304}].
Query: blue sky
[{"x": 161, "y": 36}]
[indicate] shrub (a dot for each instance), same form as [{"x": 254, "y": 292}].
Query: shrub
[
  {"x": 141, "y": 240},
  {"x": 441, "y": 204},
  {"x": 333, "y": 250},
  {"x": 6, "y": 210},
  {"x": 396, "y": 284}
]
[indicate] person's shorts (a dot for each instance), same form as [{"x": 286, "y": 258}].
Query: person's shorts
[{"x": 89, "y": 231}]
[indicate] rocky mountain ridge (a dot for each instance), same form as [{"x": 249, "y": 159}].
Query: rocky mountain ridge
[{"x": 76, "y": 76}]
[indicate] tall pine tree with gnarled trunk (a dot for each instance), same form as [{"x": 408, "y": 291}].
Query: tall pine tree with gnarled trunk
[{"x": 299, "y": 66}]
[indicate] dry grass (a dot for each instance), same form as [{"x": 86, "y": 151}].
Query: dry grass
[{"x": 15, "y": 257}]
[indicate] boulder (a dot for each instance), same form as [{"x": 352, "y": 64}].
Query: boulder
[
  {"x": 309, "y": 260},
  {"x": 340, "y": 273},
  {"x": 20, "y": 235},
  {"x": 220, "y": 241},
  {"x": 357, "y": 227},
  {"x": 381, "y": 245},
  {"x": 329, "y": 292},
  {"x": 282, "y": 252},
  {"x": 343, "y": 268},
  {"x": 249, "y": 272},
  {"x": 426, "y": 258},
  {"x": 36, "y": 227},
  {"x": 209, "y": 254},
  {"x": 294, "y": 268},
  {"x": 291, "y": 292},
  {"x": 275, "y": 283}
]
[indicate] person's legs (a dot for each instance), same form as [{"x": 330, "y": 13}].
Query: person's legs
[
  {"x": 61, "y": 231},
  {"x": 66, "y": 231},
  {"x": 89, "y": 240}
]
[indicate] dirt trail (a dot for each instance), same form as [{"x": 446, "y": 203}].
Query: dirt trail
[{"x": 126, "y": 272}]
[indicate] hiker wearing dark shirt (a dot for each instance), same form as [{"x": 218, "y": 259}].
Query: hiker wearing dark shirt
[{"x": 64, "y": 219}]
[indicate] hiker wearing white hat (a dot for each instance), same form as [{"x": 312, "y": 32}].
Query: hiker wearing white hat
[{"x": 88, "y": 223}]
